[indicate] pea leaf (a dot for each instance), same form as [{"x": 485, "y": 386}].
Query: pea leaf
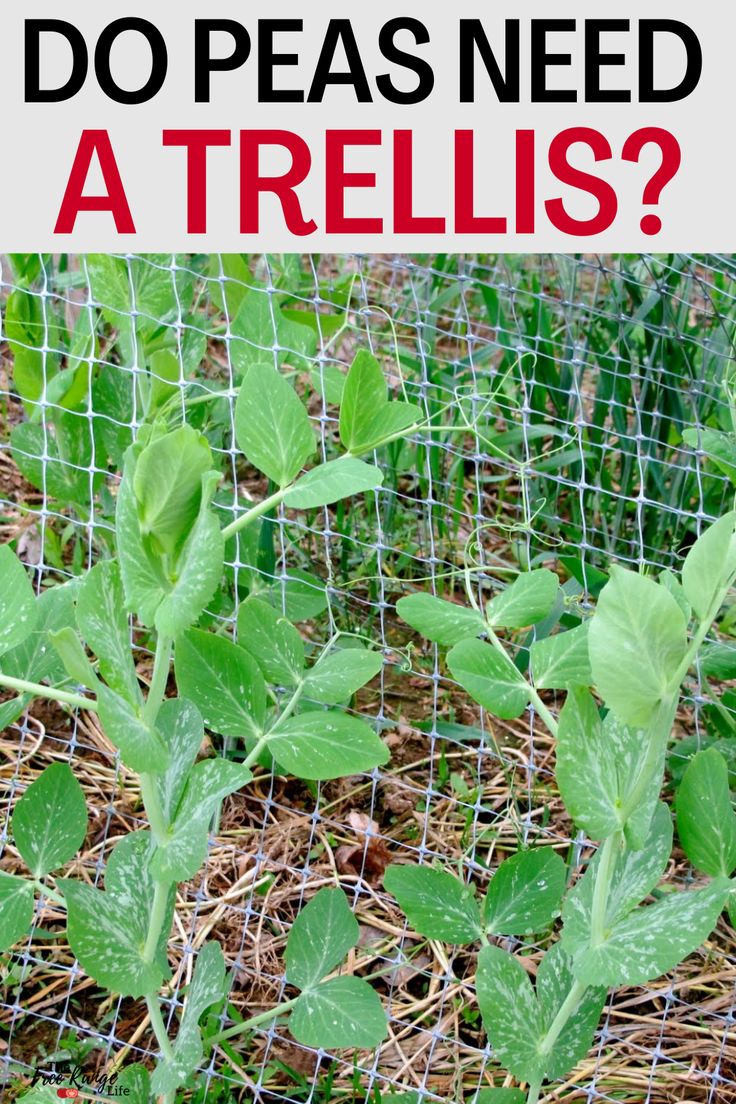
[
  {"x": 343, "y": 1012},
  {"x": 272, "y": 641},
  {"x": 16, "y": 909},
  {"x": 325, "y": 745},
  {"x": 510, "y": 1012},
  {"x": 637, "y": 642},
  {"x": 143, "y": 582},
  {"x": 561, "y": 661},
  {"x": 444, "y": 622},
  {"x": 719, "y": 447},
  {"x": 709, "y": 564},
  {"x": 260, "y": 329},
  {"x": 499, "y": 1096},
  {"x": 180, "y": 725},
  {"x": 272, "y": 426},
  {"x": 718, "y": 661},
  {"x": 436, "y": 904},
  {"x": 706, "y": 821},
  {"x": 525, "y": 893},
  {"x": 224, "y": 682},
  {"x": 107, "y": 928},
  {"x": 186, "y": 846},
  {"x": 302, "y": 596},
  {"x": 74, "y": 658},
  {"x": 209, "y": 986},
  {"x": 141, "y": 747},
  {"x": 653, "y": 939},
  {"x": 168, "y": 485},
  {"x": 554, "y": 982},
  {"x": 18, "y": 613},
  {"x": 367, "y": 418},
  {"x": 591, "y": 768},
  {"x": 104, "y": 627},
  {"x": 137, "y": 1080},
  {"x": 50, "y": 820},
  {"x": 489, "y": 677},
  {"x": 320, "y": 937},
  {"x": 333, "y": 481},
  {"x": 336, "y": 676},
  {"x": 528, "y": 600}
]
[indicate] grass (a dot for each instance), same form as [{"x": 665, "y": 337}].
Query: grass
[{"x": 558, "y": 390}]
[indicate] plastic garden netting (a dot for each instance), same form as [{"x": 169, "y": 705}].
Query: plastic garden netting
[{"x": 582, "y": 412}]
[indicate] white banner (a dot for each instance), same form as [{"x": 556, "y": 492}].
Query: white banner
[{"x": 293, "y": 127}]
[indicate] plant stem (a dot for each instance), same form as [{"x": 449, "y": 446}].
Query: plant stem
[
  {"x": 250, "y": 760},
  {"x": 253, "y": 514},
  {"x": 157, "y": 1023},
  {"x": 602, "y": 887},
  {"x": 159, "y": 679},
  {"x": 535, "y": 1087},
  {"x": 154, "y": 809},
  {"x": 254, "y": 1021},
  {"x": 156, "y": 921},
  {"x": 39, "y": 691},
  {"x": 535, "y": 699},
  {"x": 47, "y": 891},
  {"x": 287, "y": 711}
]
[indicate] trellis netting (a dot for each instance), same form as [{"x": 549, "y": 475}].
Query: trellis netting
[{"x": 582, "y": 413}]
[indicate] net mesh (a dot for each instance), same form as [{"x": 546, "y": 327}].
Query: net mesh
[{"x": 571, "y": 399}]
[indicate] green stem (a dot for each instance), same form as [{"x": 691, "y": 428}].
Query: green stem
[
  {"x": 47, "y": 891},
  {"x": 154, "y": 809},
  {"x": 287, "y": 711},
  {"x": 157, "y": 1023},
  {"x": 535, "y": 1088},
  {"x": 252, "y": 515},
  {"x": 254, "y": 1021},
  {"x": 156, "y": 921},
  {"x": 159, "y": 679},
  {"x": 599, "y": 905},
  {"x": 534, "y": 697},
  {"x": 37, "y": 690},
  {"x": 252, "y": 757}
]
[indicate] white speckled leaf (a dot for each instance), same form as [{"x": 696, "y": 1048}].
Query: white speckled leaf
[
  {"x": 444, "y": 622},
  {"x": 336, "y": 676},
  {"x": 325, "y": 745},
  {"x": 50, "y": 820},
  {"x": 561, "y": 661},
  {"x": 16, "y": 909},
  {"x": 706, "y": 821},
  {"x": 141, "y": 747},
  {"x": 525, "y": 893},
  {"x": 709, "y": 564},
  {"x": 272, "y": 425},
  {"x": 107, "y": 928},
  {"x": 332, "y": 482},
  {"x": 272, "y": 641},
  {"x": 320, "y": 937},
  {"x": 142, "y": 584},
  {"x": 209, "y": 986},
  {"x": 654, "y": 939},
  {"x": 435, "y": 903},
  {"x": 511, "y": 1014},
  {"x": 526, "y": 601},
  {"x": 554, "y": 981},
  {"x": 180, "y": 726},
  {"x": 343, "y": 1012},
  {"x": 18, "y": 613},
  {"x": 104, "y": 627},
  {"x": 224, "y": 681},
  {"x": 490, "y": 678}
]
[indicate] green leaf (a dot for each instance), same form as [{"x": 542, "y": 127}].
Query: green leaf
[
  {"x": 718, "y": 661},
  {"x": 57, "y": 458},
  {"x": 444, "y": 622},
  {"x": 561, "y": 661},
  {"x": 141, "y": 747},
  {"x": 652, "y": 940},
  {"x": 593, "y": 771},
  {"x": 143, "y": 580},
  {"x": 436, "y": 904},
  {"x": 180, "y": 724},
  {"x": 525, "y": 893},
  {"x": 635, "y": 875},
  {"x": 332, "y": 482},
  {"x": 185, "y": 849},
  {"x": 199, "y": 569},
  {"x": 325, "y": 745},
  {"x": 272, "y": 641},
  {"x": 16, "y": 909},
  {"x": 104, "y": 627},
  {"x": 510, "y": 1012},
  {"x": 74, "y": 658},
  {"x": 367, "y": 418},
  {"x": 706, "y": 821},
  {"x": 528, "y": 600},
  {"x": 338, "y": 675},
  {"x": 224, "y": 682},
  {"x": 343, "y": 1012},
  {"x": 554, "y": 982},
  {"x": 498, "y": 1096},
  {"x": 637, "y": 641},
  {"x": 50, "y": 820},
  {"x": 107, "y": 929},
  {"x": 18, "y": 613},
  {"x": 209, "y": 986},
  {"x": 709, "y": 565},
  {"x": 489, "y": 677},
  {"x": 136, "y": 1079},
  {"x": 272, "y": 426},
  {"x": 719, "y": 447},
  {"x": 320, "y": 937},
  {"x": 302, "y": 596},
  {"x": 260, "y": 330},
  {"x": 168, "y": 486}
]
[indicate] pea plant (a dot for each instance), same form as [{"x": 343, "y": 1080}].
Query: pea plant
[
  {"x": 285, "y": 711},
  {"x": 633, "y": 654}
]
